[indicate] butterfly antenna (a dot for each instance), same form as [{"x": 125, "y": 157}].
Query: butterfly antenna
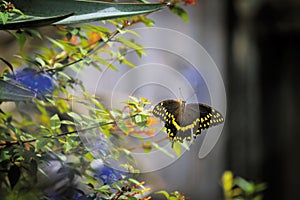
[
  {"x": 180, "y": 93},
  {"x": 190, "y": 97},
  {"x": 182, "y": 96}
]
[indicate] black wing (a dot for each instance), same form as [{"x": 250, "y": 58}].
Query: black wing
[
  {"x": 169, "y": 112},
  {"x": 200, "y": 117},
  {"x": 165, "y": 109}
]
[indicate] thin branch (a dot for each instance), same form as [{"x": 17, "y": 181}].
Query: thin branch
[
  {"x": 63, "y": 134},
  {"x": 117, "y": 195},
  {"x": 112, "y": 35},
  {"x": 58, "y": 135},
  {"x": 142, "y": 146},
  {"x": 121, "y": 192}
]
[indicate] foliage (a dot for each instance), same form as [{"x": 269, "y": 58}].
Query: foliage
[
  {"x": 46, "y": 12},
  {"x": 41, "y": 153},
  {"x": 40, "y": 137},
  {"x": 237, "y": 188},
  {"x": 172, "y": 196},
  {"x": 7, "y": 10}
]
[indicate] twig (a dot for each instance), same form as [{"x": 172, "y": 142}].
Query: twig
[
  {"x": 117, "y": 195},
  {"x": 112, "y": 35},
  {"x": 63, "y": 134},
  {"x": 121, "y": 192},
  {"x": 54, "y": 136}
]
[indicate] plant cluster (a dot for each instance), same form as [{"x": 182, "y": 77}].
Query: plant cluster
[{"x": 41, "y": 153}]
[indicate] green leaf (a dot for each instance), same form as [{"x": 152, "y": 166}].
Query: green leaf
[
  {"x": 98, "y": 29},
  {"x": 134, "y": 99},
  {"x": 166, "y": 194},
  {"x": 131, "y": 198},
  {"x": 139, "y": 49},
  {"x": 162, "y": 150},
  {"x": 67, "y": 122},
  {"x": 42, "y": 142},
  {"x": 58, "y": 44},
  {"x": 17, "y": 11},
  {"x": 34, "y": 33},
  {"x": 40, "y": 61},
  {"x": 21, "y": 38},
  {"x": 136, "y": 182},
  {"x": 105, "y": 63},
  {"x": 98, "y": 104},
  {"x": 75, "y": 116},
  {"x": 126, "y": 62},
  {"x": 89, "y": 156},
  {"x": 4, "y": 17},
  {"x": 55, "y": 122},
  {"x": 13, "y": 92},
  {"x": 103, "y": 189},
  {"x": 14, "y": 174},
  {"x": 123, "y": 126},
  {"x": 180, "y": 12},
  {"x": 32, "y": 21},
  {"x": 245, "y": 185},
  {"x": 260, "y": 187},
  {"x": 46, "y": 12},
  {"x": 69, "y": 144},
  {"x": 177, "y": 148}
]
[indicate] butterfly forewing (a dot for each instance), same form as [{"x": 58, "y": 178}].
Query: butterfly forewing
[
  {"x": 165, "y": 109},
  {"x": 169, "y": 112}
]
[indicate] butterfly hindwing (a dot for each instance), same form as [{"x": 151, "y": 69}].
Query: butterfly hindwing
[{"x": 201, "y": 116}]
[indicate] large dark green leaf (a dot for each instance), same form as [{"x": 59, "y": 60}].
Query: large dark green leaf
[
  {"x": 32, "y": 21},
  {"x": 14, "y": 175},
  {"x": 55, "y": 12},
  {"x": 12, "y": 92}
]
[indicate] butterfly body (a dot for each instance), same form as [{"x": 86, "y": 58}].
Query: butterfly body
[{"x": 184, "y": 121}]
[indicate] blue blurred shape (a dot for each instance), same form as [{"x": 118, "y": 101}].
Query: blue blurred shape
[
  {"x": 109, "y": 175},
  {"x": 38, "y": 82}
]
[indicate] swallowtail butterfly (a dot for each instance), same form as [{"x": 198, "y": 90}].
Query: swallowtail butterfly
[{"x": 184, "y": 121}]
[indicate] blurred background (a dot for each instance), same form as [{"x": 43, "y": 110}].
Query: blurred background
[{"x": 255, "y": 45}]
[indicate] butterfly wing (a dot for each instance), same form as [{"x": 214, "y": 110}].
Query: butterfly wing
[
  {"x": 200, "y": 117},
  {"x": 169, "y": 111},
  {"x": 166, "y": 109},
  {"x": 196, "y": 117}
]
